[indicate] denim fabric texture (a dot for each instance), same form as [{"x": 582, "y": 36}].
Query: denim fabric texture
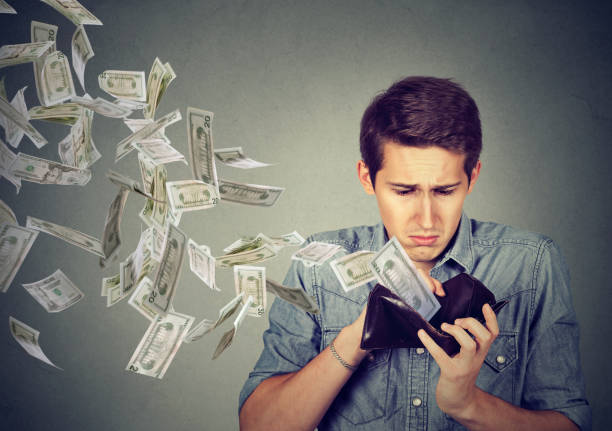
[{"x": 534, "y": 363}]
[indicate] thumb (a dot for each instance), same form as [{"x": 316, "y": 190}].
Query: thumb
[{"x": 434, "y": 285}]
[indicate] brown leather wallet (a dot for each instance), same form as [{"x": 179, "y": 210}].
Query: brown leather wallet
[{"x": 391, "y": 323}]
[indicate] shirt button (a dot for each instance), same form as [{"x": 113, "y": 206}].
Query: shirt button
[
  {"x": 420, "y": 350},
  {"x": 371, "y": 357},
  {"x": 416, "y": 401},
  {"x": 500, "y": 359}
]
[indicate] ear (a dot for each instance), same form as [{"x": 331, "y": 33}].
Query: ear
[
  {"x": 363, "y": 173},
  {"x": 475, "y": 173}
]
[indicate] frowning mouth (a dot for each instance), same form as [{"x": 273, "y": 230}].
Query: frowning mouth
[{"x": 424, "y": 240}]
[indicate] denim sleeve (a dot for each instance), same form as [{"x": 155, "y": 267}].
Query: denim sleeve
[
  {"x": 292, "y": 339},
  {"x": 554, "y": 379}
]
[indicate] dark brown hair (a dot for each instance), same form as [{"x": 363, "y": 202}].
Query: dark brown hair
[{"x": 421, "y": 112}]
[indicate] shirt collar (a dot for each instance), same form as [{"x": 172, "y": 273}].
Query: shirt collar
[{"x": 460, "y": 249}]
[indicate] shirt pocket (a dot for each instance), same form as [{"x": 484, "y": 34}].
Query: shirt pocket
[
  {"x": 498, "y": 373},
  {"x": 363, "y": 397}
]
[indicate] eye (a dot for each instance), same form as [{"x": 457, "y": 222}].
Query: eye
[
  {"x": 445, "y": 192},
  {"x": 404, "y": 192}
]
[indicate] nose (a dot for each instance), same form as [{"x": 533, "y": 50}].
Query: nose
[{"x": 425, "y": 212}]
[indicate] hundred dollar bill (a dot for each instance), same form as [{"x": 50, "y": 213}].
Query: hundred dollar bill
[
  {"x": 22, "y": 52},
  {"x": 158, "y": 151},
  {"x": 102, "y": 106},
  {"x": 250, "y": 194},
  {"x": 140, "y": 299},
  {"x": 15, "y": 243},
  {"x": 206, "y": 325},
  {"x": 200, "y": 142},
  {"x": 30, "y": 168},
  {"x": 160, "y": 76},
  {"x": 159, "y": 344},
  {"x": 123, "y": 84},
  {"x": 235, "y": 158},
  {"x": 265, "y": 252},
  {"x": 27, "y": 337},
  {"x": 7, "y": 157},
  {"x": 63, "y": 113},
  {"x": 11, "y": 115},
  {"x": 111, "y": 237},
  {"x": 6, "y": 8},
  {"x": 315, "y": 253},
  {"x": 42, "y": 32},
  {"x": 202, "y": 263},
  {"x": 228, "y": 337},
  {"x": 394, "y": 270},
  {"x": 74, "y": 11},
  {"x": 7, "y": 215},
  {"x": 190, "y": 195},
  {"x": 72, "y": 236},
  {"x": 166, "y": 280},
  {"x": 252, "y": 281},
  {"x": 293, "y": 295},
  {"x": 55, "y": 293},
  {"x": 14, "y": 133},
  {"x": 353, "y": 270},
  {"x": 108, "y": 283},
  {"x": 125, "y": 146},
  {"x": 82, "y": 52},
  {"x": 56, "y": 85}
]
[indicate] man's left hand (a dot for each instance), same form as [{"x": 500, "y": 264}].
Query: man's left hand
[{"x": 456, "y": 390}]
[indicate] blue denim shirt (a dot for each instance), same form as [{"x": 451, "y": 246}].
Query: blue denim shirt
[{"x": 534, "y": 363}]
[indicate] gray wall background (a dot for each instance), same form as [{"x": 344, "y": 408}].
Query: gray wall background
[{"x": 288, "y": 81}]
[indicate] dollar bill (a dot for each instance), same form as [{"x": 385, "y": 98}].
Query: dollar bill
[
  {"x": 158, "y": 151},
  {"x": 133, "y": 270},
  {"x": 235, "y": 158},
  {"x": 71, "y": 236},
  {"x": 42, "y": 171},
  {"x": 15, "y": 243},
  {"x": 62, "y": 113},
  {"x": 109, "y": 283},
  {"x": 82, "y": 52},
  {"x": 200, "y": 142},
  {"x": 14, "y": 133},
  {"x": 206, "y": 326},
  {"x": 202, "y": 263},
  {"x": 293, "y": 295},
  {"x": 11, "y": 115},
  {"x": 114, "y": 293},
  {"x": 190, "y": 195},
  {"x": 250, "y": 194},
  {"x": 135, "y": 124},
  {"x": 7, "y": 157},
  {"x": 6, "y": 8},
  {"x": 127, "y": 183},
  {"x": 288, "y": 240},
  {"x": 2, "y": 94},
  {"x": 158, "y": 238},
  {"x": 156, "y": 212},
  {"x": 249, "y": 243},
  {"x": 159, "y": 345},
  {"x": 42, "y": 32},
  {"x": 124, "y": 84},
  {"x": 125, "y": 146},
  {"x": 56, "y": 85},
  {"x": 252, "y": 281},
  {"x": 55, "y": 293},
  {"x": 7, "y": 215},
  {"x": 394, "y": 270},
  {"x": 11, "y": 55},
  {"x": 265, "y": 252},
  {"x": 140, "y": 299},
  {"x": 27, "y": 337},
  {"x": 102, "y": 106},
  {"x": 316, "y": 253},
  {"x": 166, "y": 280},
  {"x": 160, "y": 76},
  {"x": 111, "y": 236},
  {"x": 228, "y": 337},
  {"x": 74, "y": 11},
  {"x": 130, "y": 104},
  {"x": 77, "y": 148},
  {"x": 353, "y": 270}
]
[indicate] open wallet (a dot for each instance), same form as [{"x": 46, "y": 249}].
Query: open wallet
[{"x": 391, "y": 323}]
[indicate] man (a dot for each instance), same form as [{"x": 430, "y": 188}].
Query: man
[{"x": 420, "y": 145}]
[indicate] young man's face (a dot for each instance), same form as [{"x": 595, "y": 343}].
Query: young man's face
[{"x": 420, "y": 194}]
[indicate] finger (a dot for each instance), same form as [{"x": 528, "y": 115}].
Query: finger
[
  {"x": 434, "y": 285},
  {"x": 483, "y": 336},
  {"x": 490, "y": 319},
  {"x": 463, "y": 338},
  {"x": 432, "y": 347}
]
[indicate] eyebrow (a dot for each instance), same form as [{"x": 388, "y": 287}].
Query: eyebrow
[{"x": 414, "y": 186}]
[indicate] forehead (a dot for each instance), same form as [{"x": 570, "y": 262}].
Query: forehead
[{"x": 414, "y": 165}]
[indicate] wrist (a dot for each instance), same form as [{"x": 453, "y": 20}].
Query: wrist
[
  {"x": 469, "y": 411},
  {"x": 347, "y": 345}
]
